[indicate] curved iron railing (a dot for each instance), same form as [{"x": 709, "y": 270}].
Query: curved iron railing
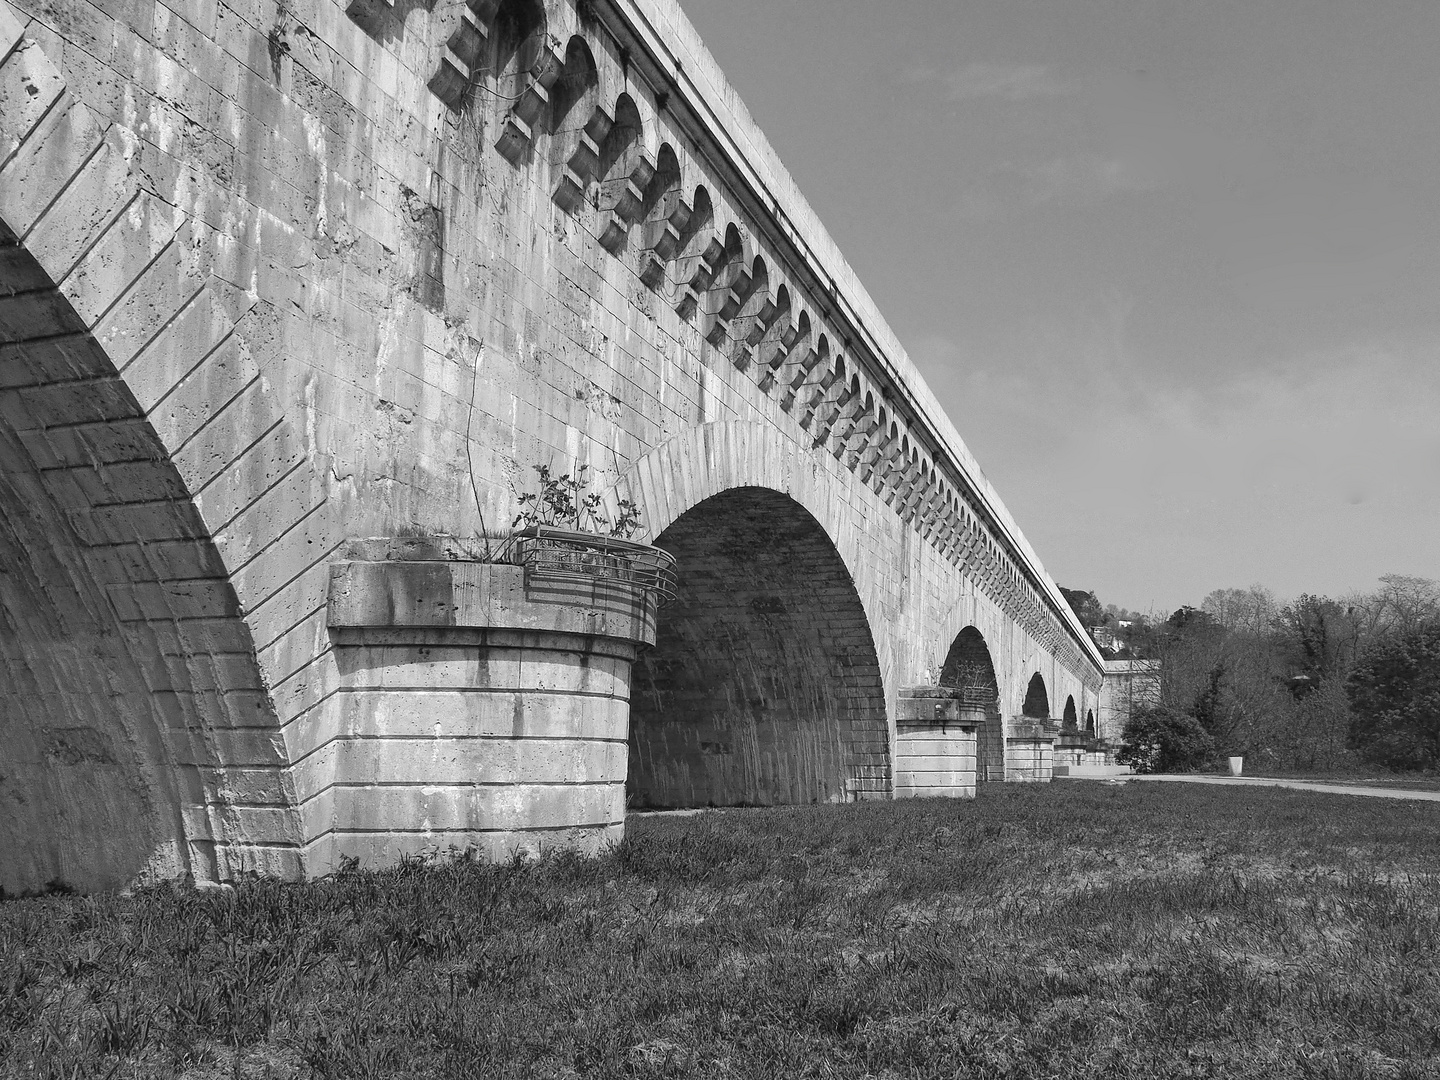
[
  {"x": 975, "y": 697},
  {"x": 570, "y": 555}
]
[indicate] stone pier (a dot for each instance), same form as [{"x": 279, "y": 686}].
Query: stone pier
[
  {"x": 476, "y": 710},
  {"x": 1030, "y": 753},
  {"x": 935, "y": 744}
]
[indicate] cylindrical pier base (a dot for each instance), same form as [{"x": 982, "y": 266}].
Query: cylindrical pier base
[{"x": 475, "y": 712}]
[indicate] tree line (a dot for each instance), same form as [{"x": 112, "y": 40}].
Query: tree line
[{"x": 1315, "y": 684}]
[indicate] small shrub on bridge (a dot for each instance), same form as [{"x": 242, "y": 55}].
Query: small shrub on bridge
[
  {"x": 1165, "y": 740},
  {"x": 564, "y": 502}
]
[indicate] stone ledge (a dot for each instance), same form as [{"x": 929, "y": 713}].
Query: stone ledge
[{"x": 472, "y": 595}]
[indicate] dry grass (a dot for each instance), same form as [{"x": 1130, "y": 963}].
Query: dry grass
[{"x": 1068, "y": 931}]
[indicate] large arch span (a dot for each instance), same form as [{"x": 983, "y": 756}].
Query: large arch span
[
  {"x": 138, "y": 735},
  {"x": 773, "y": 635},
  {"x": 764, "y": 687}
]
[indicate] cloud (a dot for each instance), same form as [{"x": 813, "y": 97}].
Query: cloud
[
  {"x": 1082, "y": 178},
  {"x": 1006, "y": 82},
  {"x": 1318, "y": 473},
  {"x": 1074, "y": 180}
]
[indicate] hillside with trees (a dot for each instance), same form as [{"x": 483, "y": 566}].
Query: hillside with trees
[{"x": 1313, "y": 684}]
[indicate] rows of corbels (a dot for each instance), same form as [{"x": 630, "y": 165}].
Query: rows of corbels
[{"x": 702, "y": 259}]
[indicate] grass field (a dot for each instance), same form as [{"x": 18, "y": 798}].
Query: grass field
[{"x": 1061, "y": 931}]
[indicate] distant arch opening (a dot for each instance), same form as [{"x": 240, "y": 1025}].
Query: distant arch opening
[
  {"x": 1070, "y": 720},
  {"x": 764, "y": 686},
  {"x": 1037, "y": 701},
  {"x": 969, "y": 669},
  {"x": 1090, "y": 723}
]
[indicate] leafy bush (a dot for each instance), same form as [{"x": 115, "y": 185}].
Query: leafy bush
[
  {"x": 564, "y": 503},
  {"x": 1395, "y": 694},
  {"x": 1160, "y": 739}
]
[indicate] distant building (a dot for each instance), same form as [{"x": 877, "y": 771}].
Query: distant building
[
  {"x": 1105, "y": 637},
  {"x": 1128, "y": 685}
]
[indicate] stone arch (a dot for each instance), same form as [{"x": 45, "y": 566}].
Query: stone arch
[
  {"x": 812, "y": 360},
  {"x": 813, "y": 417},
  {"x": 1037, "y": 700},
  {"x": 662, "y": 195},
  {"x": 732, "y": 283},
  {"x": 141, "y": 741},
  {"x": 663, "y": 216},
  {"x": 845, "y": 421},
  {"x": 1090, "y": 723},
  {"x": 622, "y": 147},
  {"x": 519, "y": 35},
  {"x": 574, "y": 97},
  {"x": 1069, "y": 719},
  {"x": 626, "y": 168},
  {"x": 765, "y": 684},
  {"x": 154, "y": 564},
  {"x": 702, "y": 213},
  {"x": 970, "y": 669}
]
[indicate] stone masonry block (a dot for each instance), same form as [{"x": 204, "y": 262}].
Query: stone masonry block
[
  {"x": 132, "y": 440},
  {"x": 471, "y": 762},
  {"x": 267, "y": 463},
  {"x": 98, "y": 192},
  {"x": 95, "y": 400},
  {"x": 45, "y": 163},
  {"x": 209, "y": 436},
  {"x": 193, "y": 356},
  {"x": 120, "y": 258},
  {"x": 305, "y": 545},
  {"x": 36, "y": 314},
  {"x": 129, "y": 522},
  {"x": 270, "y": 515},
  {"x": 513, "y": 807},
  {"x": 29, "y": 87}
]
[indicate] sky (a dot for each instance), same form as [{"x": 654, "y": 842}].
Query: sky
[{"x": 1171, "y": 266}]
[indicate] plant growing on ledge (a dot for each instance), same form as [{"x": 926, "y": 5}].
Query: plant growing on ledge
[
  {"x": 559, "y": 504},
  {"x": 562, "y": 532}
]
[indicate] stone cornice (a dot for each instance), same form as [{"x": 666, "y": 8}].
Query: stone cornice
[{"x": 668, "y": 50}]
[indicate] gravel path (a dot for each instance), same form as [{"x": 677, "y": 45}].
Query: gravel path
[{"x": 1299, "y": 785}]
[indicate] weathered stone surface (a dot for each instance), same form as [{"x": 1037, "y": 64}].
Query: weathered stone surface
[
  {"x": 263, "y": 292},
  {"x": 476, "y": 708}
]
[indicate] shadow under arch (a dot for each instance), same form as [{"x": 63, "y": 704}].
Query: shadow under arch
[
  {"x": 1037, "y": 701},
  {"x": 519, "y": 34},
  {"x": 970, "y": 669},
  {"x": 764, "y": 686},
  {"x": 140, "y": 740},
  {"x": 1070, "y": 719}
]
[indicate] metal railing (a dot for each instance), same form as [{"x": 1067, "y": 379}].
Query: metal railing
[
  {"x": 569, "y": 555},
  {"x": 974, "y": 697}
]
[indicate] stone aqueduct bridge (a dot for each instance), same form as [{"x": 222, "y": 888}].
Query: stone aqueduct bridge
[{"x": 280, "y": 279}]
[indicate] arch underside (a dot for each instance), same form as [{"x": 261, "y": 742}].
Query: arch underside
[
  {"x": 969, "y": 667},
  {"x": 1037, "y": 699},
  {"x": 764, "y": 687},
  {"x": 136, "y": 734}
]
